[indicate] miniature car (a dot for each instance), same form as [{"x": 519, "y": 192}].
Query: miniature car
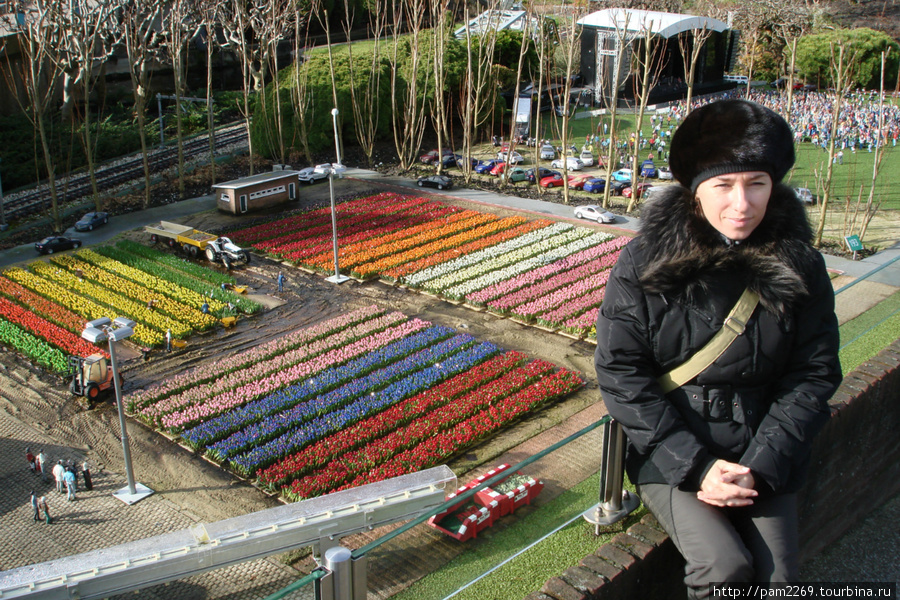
[
  {"x": 441, "y": 182},
  {"x": 484, "y": 166},
  {"x": 664, "y": 173},
  {"x": 572, "y": 163},
  {"x": 516, "y": 174},
  {"x": 640, "y": 189},
  {"x": 311, "y": 175},
  {"x": 622, "y": 175},
  {"x": 648, "y": 169},
  {"x": 593, "y": 212},
  {"x": 587, "y": 158},
  {"x": 595, "y": 185},
  {"x": 56, "y": 243},
  {"x": 548, "y": 152},
  {"x": 514, "y": 159},
  {"x": 91, "y": 220}
]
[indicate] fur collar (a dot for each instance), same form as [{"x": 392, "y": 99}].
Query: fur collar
[{"x": 686, "y": 255}]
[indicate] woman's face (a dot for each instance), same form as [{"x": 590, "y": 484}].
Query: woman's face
[{"x": 735, "y": 203}]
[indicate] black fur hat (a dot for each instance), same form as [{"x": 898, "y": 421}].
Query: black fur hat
[{"x": 731, "y": 136}]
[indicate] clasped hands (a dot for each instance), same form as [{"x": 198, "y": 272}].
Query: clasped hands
[{"x": 727, "y": 484}]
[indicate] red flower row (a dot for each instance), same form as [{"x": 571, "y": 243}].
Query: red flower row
[
  {"x": 52, "y": 333},
  {"x": 41, "y": 306}
]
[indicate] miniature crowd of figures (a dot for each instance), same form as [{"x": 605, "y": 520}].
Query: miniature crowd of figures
[{"x": 64, "y": 473}]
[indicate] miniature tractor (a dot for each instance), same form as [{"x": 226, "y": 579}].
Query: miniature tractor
[{"x": 90, "y": 376}]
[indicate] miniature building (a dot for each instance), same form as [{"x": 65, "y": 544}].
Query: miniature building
[{"x": 256, "y": 191}]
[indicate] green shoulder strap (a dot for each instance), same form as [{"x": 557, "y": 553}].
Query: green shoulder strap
[{"x": 732, "y": 327}]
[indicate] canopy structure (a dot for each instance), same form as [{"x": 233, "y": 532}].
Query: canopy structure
[
  {"x": 494, "y": 20},
  {"x": 611, "y": 36},
  {"x": 665, "y": 25}
]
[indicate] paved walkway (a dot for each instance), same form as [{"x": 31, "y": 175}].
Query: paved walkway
[{"x": 95, "y": 519}]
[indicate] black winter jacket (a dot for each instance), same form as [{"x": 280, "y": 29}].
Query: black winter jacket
[{"x": 761, "y": 402}]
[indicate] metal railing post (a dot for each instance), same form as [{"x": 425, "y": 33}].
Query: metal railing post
[{"x": 615, "y": 502}]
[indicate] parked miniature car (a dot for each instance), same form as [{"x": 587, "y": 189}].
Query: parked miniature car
[
  {"x": 441, "y": 182},
  {"x": 56, "y": 243},
  {"x": 514, "y": 159},
  {"x": 311, "y": 175},
  {"x": 499, "y": 168},
  {"x": 621, "y": 175},
  {"x": 593, "y": 212},
  {"x": 484, "y": 166},
  {"x": 664, "y": 173},
  {"x": 616, "y": 187},
  {"x": 648, "y": 169},
  {"x": 516, "y": 174},
  {"x": 91, "y": 220},
  {"x": 429, "y": 157},
  {"x": 541, "y": 173},
  {"x": 577, "y": 181},
  {"x": 548, "y": 152},
  {"x": 555, "y": 180},
  {"x": 805, "y": 195},
  {"x": 587, "y": 158},
  {"x": 595, "y": 185},
  {"x": 572, "y": 163},
  {"x": 640, "y": 189}
]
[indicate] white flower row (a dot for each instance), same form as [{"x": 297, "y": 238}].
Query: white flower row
[
  {"x": 536, "y": 250},
  {"x": 474, "y": 258},
  {"x": 517, "y": 268}
]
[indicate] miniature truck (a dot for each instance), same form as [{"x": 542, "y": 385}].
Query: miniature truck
[{"x": 193, "y": 242}]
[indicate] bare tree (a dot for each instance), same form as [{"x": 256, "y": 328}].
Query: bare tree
[
  {"x": 648, "y": 62},
  {"x": 86, "y": 42},
  {"x": 38, "y": 36},
  {"x": 439, "y": 115},
  {"x": 301, "y": 100},
  {"x": 843, "y": 64},
  {"x": 209, "y": 17},
  {"x": 409, "y": 79},
  {"x": 477, "y": 86},
  {"x": 364, "y": 98},
  {"x": 871, "y": 206},
  {"x": 179, "y": 26},
  {"x": 570, "y": 46},
  {"x": 620, "y": 40},
  {"x": 690, "y": 44},
  {"x": 236, "y": 24},
  {"x": 270, "y": 19},
  {"x": 139, "y": 21}
]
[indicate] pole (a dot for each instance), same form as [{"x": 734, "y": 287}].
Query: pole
[
  {"x": 337, "y": 277},
  {"x": 126, "y": 451},
  {"x": 2, "y": 216}
]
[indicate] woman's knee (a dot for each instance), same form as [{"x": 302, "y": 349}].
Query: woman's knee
[{"x": 720, "y": 567}]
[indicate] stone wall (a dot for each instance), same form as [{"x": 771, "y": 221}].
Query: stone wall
[{"x": 855, "y": 467}]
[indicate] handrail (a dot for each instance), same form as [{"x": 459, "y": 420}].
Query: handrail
[
  {"x": 867, "y": 275},
  {"x": 297, "y": 585}
]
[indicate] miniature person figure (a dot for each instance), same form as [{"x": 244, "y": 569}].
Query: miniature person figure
[
  {"x": 29, "y": 458},
  {"x": 86, "y": 473},
  {"x": 41, "y": 464},
  {"x": 69, "y": 478},
  {"x": 280, "y": 281},
  {"x": 168, "y": 340},
  {"x": 42, "y": 505},
  {"x": 34, "y": 506},
  {"x": 58, "y": 471},
  {"x": 204, "y": 308}
]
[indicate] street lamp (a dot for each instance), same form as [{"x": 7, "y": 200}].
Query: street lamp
[
  {"x": 97, "y": 331},
  {"x": 337, "y": 170}
]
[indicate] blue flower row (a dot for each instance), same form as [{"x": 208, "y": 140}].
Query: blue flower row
[
  {"x": 322, "y": 405},
  {"x": 294, "y": 440},
  {"x": 252, "y": 412}
]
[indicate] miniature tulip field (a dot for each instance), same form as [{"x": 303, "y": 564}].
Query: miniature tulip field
[
  {"x": 543, "y": 272},
  {"x": 44, "y": 306},
  {"x": 369, "y": 395}
]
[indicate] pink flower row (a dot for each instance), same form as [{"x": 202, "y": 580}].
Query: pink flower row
[
  {"x": 574, "y": 308},
  {"x": 497, "y": 290},
  {"x": 194, "y": 377},
  {"x": 564, "y": 295},
  {"x": 256, "y": 389}
]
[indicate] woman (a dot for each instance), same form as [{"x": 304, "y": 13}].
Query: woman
[{"x": 719, "y": 459}]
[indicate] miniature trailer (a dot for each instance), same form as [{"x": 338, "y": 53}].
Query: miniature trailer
[
  {"x": 465, "y": 520},
  {"x": 194, "y": 242},
  {"x": 256, "y": 192}
]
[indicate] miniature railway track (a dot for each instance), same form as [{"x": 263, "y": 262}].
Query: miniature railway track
[{"x": 79, "y": 186}]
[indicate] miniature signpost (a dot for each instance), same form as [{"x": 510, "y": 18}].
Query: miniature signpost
[{"x": 854, "y": 244}]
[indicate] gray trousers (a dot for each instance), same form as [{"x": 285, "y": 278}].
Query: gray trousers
[{"x": 757, "y": 543}]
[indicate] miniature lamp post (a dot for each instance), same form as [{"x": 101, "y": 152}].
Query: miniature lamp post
[
  {"x": 104, "y": 329},
  {"x": 337, "y": 170}
]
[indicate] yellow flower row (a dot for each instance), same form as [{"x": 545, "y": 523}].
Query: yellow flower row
[
  {"x": 172, "y": 290},
  {"x": 77, "y": 303},
  {"x": 162, "y": 303},
  {"x": 120, "y": 304}
]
